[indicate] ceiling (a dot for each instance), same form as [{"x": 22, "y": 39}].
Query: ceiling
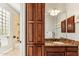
[
  {"x": 50, "y": 6},
  {"x": 16, "y": 6},
  {"x": 60, "y": 6}
]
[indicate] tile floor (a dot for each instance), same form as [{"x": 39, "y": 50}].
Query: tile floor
[{"x": 14, "y": 52}]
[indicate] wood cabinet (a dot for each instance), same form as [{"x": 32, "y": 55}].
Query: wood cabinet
[
  {"x": 35, "y": 50},
  {"x": 30, "y": 13},
  {"x": 72, "y": 51},
  {"x": 30, "y": 50},
  {"x": 54, "y": 51},
  {"x": 63, "y": 26},
  {"x": 35, "y": 29},
  {"x": 55, "y": 54},
  {"x": 39, "y": 50},
  {"x": 71, "y": 24},
  {"x": 61, "y": 50}
]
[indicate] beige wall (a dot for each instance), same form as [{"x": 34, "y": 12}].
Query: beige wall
[{"x": 16, "y": 29}]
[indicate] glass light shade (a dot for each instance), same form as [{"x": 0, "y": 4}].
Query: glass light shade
[{"x": 54, "y": 12}]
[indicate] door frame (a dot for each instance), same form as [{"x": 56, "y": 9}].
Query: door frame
[{"x": 22, "y": 29}]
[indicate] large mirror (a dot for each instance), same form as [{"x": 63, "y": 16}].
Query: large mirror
[
  {"x": 55, "y": 15},
  {"x": 62, "y": 22}
]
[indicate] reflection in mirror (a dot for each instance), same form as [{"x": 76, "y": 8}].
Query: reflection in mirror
[
  {"x": 55, "y": 14},
  {"x": 72, "y": 21},
  {"x": 62, "y": 22}
]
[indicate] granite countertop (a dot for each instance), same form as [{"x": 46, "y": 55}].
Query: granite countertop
[{"x": 61, "y": 42}]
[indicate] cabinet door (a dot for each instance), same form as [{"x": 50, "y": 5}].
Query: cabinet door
[
  {"x": 35, "y": 29},
  {"x": 35, "y": 23},
  {"x": 31, "y": 33},
  {"x": 72, "y": 50},
  {"x": 71, "y": 24},
  {"x": 39, "y": 50},
  {"x": 30, "y": 13},
  {"x": 55, "y": 54},
  {"x": 33, "y": 50},
  {"x": 40, "y": 11},
  {"x": 30, "y": 50},
  {"x": 71, "y": 53}
]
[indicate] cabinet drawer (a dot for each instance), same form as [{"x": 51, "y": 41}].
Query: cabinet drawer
[
  {"x": 55, "y": 54},
  {"x": 75, "y": 49},
  {"x": 71, "y": 54},
  {"x": 55, "y": 49}
]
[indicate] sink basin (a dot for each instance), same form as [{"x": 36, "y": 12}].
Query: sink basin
[{"x": 58, "y": 42}]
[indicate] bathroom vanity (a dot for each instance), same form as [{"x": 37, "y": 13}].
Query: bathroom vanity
[{"x": 59, "y": 48}]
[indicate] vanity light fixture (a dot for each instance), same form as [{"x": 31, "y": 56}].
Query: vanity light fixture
[{"x": 54, "y": 12}]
